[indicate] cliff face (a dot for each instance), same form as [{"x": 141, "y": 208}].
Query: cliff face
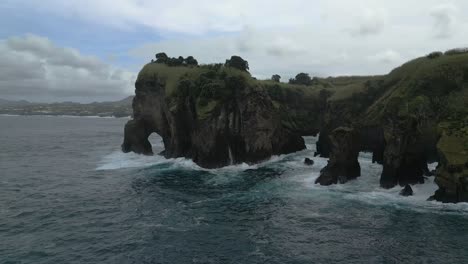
[
  {"x": 301, "y": 107},
  {"x": 348, "y": 100},
  {"x": 403, "y": 156},
  {"x": 452, "y": 172},
  {"x": 396, "y": 117},
  {"x": 218, "y": 116},
  {"x": 215, "y": 116},
  {"x": 343, "y": 164}
]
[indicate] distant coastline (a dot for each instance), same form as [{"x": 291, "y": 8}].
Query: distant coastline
[{"x": 117, "y": 109}]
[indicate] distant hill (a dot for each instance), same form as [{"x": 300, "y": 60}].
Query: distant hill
[
  {"x": 122, "y": 108},
  {"x": 4, "y": 102}
]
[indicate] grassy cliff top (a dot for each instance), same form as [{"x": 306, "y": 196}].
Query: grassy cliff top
[
  {"x": 429, "y": 87},
  {"x": 438, "y": 83}
]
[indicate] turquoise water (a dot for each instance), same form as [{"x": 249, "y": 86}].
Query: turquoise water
[{"x": 68, "y": 195}]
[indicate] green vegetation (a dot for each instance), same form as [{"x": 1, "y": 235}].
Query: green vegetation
[
  {"x": 453, "y": 151},
  {"x": 434, "y": 55},
  {"x": 121, "y": 108},
  {"x": 180, "y": 61},
  {"x": 301, "y": 78},
  {"x": 430, "y": 87},
  {"x": 275, "y": 78},
  {"x": 238, "y": 63}
]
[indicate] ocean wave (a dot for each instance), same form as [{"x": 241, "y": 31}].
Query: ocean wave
[
  {"x": 119, "y": 160},
  {"x": 418, "y": 202},
  {"x": 365, "y": 189}
]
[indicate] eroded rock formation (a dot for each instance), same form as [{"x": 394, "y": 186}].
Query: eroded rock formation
[
  {"x": 216, "y": 118},
  {"x": 396, "y": 117},
  {"x": 343, "y": 164},
  {"x": 452, "y": 174},
  {"x": 403, "y": 158}
]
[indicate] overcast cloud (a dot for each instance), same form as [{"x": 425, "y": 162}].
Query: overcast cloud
[
  {"x": 33, "y": 67},
  {"x": 322, "y": 37}
]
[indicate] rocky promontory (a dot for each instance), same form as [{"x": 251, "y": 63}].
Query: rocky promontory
[
  {"x": 452, "y": 173},
  {"x": 216, "y": 115},
  {"x": 402, "y": 119}
]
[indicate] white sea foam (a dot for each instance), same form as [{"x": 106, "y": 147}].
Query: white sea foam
[
  {"x": 119, "y": 160},
  {"x": 365, "y": 189}
]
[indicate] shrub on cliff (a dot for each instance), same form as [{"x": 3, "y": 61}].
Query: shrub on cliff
[
  {"x": 434, "y": 55},
  {"x": 179, "y": 61},
  {"x": 275, "y": 78},
  {"x": 238, "y": 63},
  {"x": 235, "y": 83},
  {"x": 301, "y": 78},
  {"x": 161, "y": 57},
  {"x": 456, "y": 51},
  {"x": 190, "y": 60}
]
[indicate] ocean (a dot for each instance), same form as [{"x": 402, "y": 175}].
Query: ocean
[{"x": 68, "y": 195}]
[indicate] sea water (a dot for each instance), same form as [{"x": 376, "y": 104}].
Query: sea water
[{"x": 69, "y": 195}]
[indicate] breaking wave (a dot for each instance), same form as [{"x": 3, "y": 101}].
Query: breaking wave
[{"x": 365, "y": 189}]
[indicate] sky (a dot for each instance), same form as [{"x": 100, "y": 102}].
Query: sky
[{"x": 92, "y": 50}]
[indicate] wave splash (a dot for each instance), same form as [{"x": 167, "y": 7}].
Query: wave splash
[{"x": 365, "y": 189}]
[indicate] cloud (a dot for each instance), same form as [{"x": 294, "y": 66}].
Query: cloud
[
  {"x": 370, "y": 22},
  {"x": 387, "y": 57},
  {"x": 322, "y": 37},
  {"x": 190, "y": 17},
  {"x": 34, "y": 68},
  {"x": 445, "y": 20},
  {"x": 278, "y": 52}
]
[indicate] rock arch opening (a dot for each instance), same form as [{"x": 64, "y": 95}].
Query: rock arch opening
[{"x": 156, "y": 142}]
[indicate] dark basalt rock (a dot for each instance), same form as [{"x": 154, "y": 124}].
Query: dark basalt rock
[
  {"x": 372, "y": 140},
  {"x": 308, "y": 162},
  {"x": 404, "y": 161},
  {"x": 343, "y": 164},
  {"x": 239, "y": 125},
  {"x": 136, "y": 138},
  {"x": 452, "y": 171},
  {"x": 407, "y": 191}
]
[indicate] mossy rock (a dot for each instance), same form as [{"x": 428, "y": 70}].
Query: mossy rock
[{"x": 205, "y": 108}]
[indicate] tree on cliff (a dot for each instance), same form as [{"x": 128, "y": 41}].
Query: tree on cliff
[
  {"x": 190, "y": 60},
  {"x": 161, "y": 57},
  {"x": 301, "y": 78},
  {"x": 238, "y": 63},
  {"x": 275, "y": 78}
]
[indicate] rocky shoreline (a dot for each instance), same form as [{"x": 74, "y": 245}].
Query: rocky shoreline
[{"x": 219, "y": 115}]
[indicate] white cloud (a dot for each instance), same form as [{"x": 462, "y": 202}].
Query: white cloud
[
  {"x": 324, "y": 37},
  {"x": 369, "y": 22},
  {"x": 34, "y": 68},
  {"x": 445, "y": 20},
  {"x": 304, "y": 49},
  {"x": 387, "y": 57}
]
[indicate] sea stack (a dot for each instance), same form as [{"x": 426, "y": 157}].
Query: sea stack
[{"x": 216, "y": 115}]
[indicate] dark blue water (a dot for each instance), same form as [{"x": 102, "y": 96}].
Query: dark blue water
[{"x": 67, "y": 195}]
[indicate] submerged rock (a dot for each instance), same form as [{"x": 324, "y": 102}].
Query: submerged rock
[
  {"x": 308, "y": 162},
  {"x": 406, "y": 191},
  {"x": 343, "y": 164},
  {"x": 217, "y": 117}
]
